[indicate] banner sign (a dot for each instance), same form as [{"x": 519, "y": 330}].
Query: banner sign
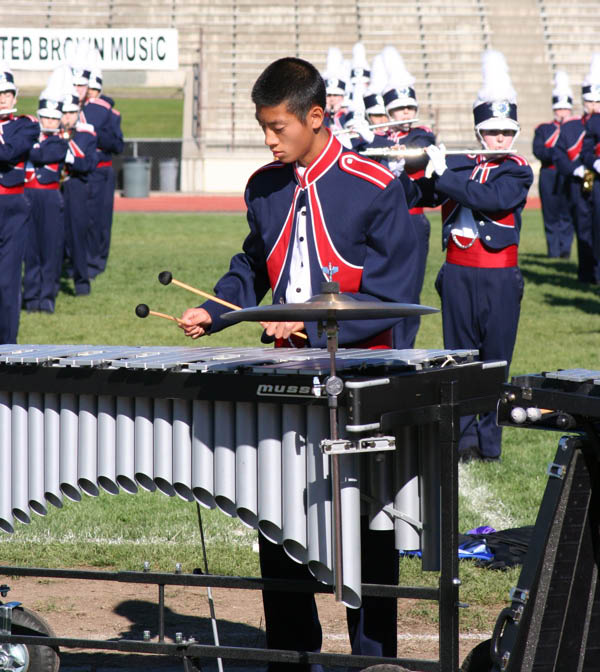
[{"x": 118, "y": 48}]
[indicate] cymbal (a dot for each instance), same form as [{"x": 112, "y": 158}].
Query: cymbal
[{"x": 327, "y": 306}]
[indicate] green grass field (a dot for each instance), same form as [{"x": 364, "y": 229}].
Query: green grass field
[
  {"x": 559, "y": 328},
  {"x": 160, "y": 117}
]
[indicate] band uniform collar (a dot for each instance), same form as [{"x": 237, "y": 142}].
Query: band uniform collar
[{"x": 327, "y": 158}]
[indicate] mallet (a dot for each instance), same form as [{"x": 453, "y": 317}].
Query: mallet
[
  {"x": 142, "y": 310},
  {"x": 166, "y": 278}
]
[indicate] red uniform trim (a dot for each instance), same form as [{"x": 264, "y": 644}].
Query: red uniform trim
[
  {"x": 98, "y": 101},
  {"x": 416, "y": 211},
  {"x": 18, "y": 189},
  {"x": 74, "y": 147},
  {"x": 551, "y": 141},
  {"x": 368, "y": 170},
  {"x": 322, "y": 163},
  {"x": 479, "y": 256},
  {"x": 104, "y": 164},
  {"x": 32, "y": 183},
  {"x": 278, "y": 254},
  {"x": 348, "y": 275},
  {"x": 574, "y": 150}
]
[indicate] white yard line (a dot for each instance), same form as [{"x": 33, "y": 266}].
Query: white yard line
[{"x": 487, "y": 504}]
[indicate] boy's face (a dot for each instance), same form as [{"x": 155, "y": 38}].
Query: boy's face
[
  {"x": 7, "y": 100},
  {"x": 402, "y": 113},
  {"x": 69, "y": 120},
  {"x": 334, "y": 102},
  {"x": 82, "y": 90},
  {"x": 591, "y": 107},
  {"x": 286, "y": 136},
  {"x": 498, "y": 139},
  {"x": 378, "y": 118},
  {"x": 50, "y": 123},
  {"x": 561, "y": 113}
]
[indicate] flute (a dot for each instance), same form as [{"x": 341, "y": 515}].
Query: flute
[{"x": 390, "y": 153}]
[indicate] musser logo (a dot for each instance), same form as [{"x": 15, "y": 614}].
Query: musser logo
[{"x": 265, "y": 390}]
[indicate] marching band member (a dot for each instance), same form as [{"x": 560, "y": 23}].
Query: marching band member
[
  {"x": 46, "y": 229},
  {"x": 81, "y": 160},
  {"x": 591, "y": 147},
  {"x": 107, "y": 124},
  {"x": 335, "y": 84},
  {"x": 17, "y": 137},
  {"x": 567, "y": 157},
  {"x": 401, "y": 104},
  {"x": 555, "y": 207},
  {"x": 314, "y": 205},
  {"x": 480, "y": 283}
]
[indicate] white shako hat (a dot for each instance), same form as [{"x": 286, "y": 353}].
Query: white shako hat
[
  {"x": 399, "y": 91},
  {"x": 70, "y": 98},
  {"x": 361, "y": 72},
  {"x": 373, "y": 100},
  {"x": 95, "y": 63},
  {"x": 590, "y": 89},
  {"x": 496, "y": 105},
  {"x": 7, "y": 83},
  {"x": 78, "y": 59},
  {"x": 51, "y": 98},
  {"x": 335, "y": 84},
  {"x": 562, "y": 94},
  {"x": 7, "y": 79}
]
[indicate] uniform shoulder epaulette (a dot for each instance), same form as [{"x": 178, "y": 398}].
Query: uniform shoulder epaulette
[
  {"x": 425, "y": 128},
  {"x": 30, "y": 117},
  {"x": 85, "y": 127},
  {"x": 115, "y": 111},
  {"x": 522, "y": 161},
  {"x": 262, "y": 169},
  {"x": 366, "y": 169},
  {"x": 99, "y": 101}
]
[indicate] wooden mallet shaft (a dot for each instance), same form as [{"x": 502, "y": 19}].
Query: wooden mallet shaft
[
  {"x": 142, "y": 310},
  {"x": 166, "y": 278}
]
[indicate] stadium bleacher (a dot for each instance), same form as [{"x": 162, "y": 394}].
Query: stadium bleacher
[{"x": 230, "y": 42}]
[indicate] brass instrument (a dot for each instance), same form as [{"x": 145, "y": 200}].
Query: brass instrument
[{"x": 588, "y": 181}]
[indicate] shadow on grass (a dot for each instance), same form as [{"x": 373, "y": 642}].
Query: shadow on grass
[
  {"x": 538, "y": 269},
  {"x": 587, "y": 305},
  {"x": 66, "y": 286},
  {"x": 143, "y": 615}
]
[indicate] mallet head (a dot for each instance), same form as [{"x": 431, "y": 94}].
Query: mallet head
[
  {"x": 142, "y": 310},
  {"x": 165, "y": 277}
]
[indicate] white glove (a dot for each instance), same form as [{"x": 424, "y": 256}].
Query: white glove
[
  {"x": 579, "y": 171},
  {"x": 69, "y": 158},
  {"x": 597, "y": 165},
  {"x": 437, "y": 156},
  {"x": 345, "y": 139},
  {"x": 364, "y": 131},
  {"x": 396, "y": 166}
]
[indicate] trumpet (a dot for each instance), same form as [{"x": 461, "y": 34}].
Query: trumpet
[
  {"x": 372, "y": 127},
  {"x": 587, "y": 186},
  {"x": 390, "y": 153}
]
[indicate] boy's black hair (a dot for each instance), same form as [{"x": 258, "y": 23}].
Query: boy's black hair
[{"x": 293, "y": 81}]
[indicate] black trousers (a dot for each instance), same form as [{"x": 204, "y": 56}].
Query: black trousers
[{"x": 292, "y": 620}]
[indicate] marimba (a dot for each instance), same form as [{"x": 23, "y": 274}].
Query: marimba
[{"x": 240, "y": 429}]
